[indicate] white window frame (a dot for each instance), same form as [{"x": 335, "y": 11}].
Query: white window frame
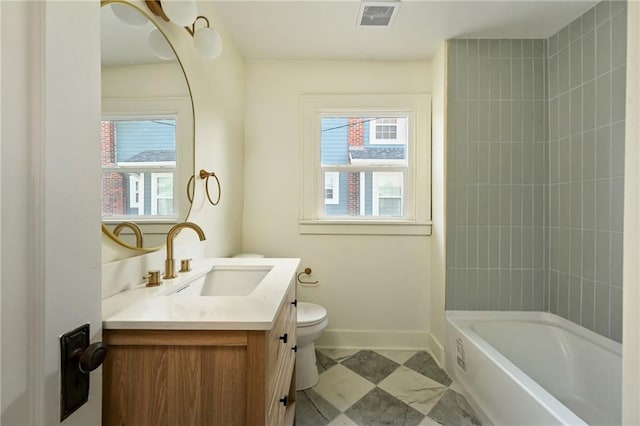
[
  {"x": 335, "y": 177},
  {"x": 417, "y": 184},
  {"x": 175, "y": 108},
  {"x": 401, "y": 132}
]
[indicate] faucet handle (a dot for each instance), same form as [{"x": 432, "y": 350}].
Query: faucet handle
[
  {"x": 185, "y": 265},
  {"x": 153, "y": 278}
]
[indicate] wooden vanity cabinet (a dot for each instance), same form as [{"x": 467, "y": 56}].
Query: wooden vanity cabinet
[{"x": 202, "y": 377}]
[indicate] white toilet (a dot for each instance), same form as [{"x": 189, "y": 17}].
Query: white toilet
[{"x": 312, "y": 321}]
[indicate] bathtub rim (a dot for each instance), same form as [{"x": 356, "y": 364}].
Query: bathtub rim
[
  {"x": 466, "y": 319},
  {"x": 463, "y": 321}
]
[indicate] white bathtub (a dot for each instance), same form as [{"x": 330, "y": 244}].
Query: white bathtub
[{"x": 535, "y": 368}]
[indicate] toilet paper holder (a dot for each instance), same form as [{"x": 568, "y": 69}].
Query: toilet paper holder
[{"x": 307, "y": 271}]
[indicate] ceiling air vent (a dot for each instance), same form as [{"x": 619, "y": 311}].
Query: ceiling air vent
[{"x": 377, "y": 13}]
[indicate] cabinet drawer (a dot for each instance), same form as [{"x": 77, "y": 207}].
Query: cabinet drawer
[
  {"x": 277, "y": 409},
  {"x": 281, "y": 339}
]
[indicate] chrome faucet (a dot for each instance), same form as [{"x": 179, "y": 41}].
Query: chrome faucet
[
  {"x": 135, "y": 228},
  {"x": 169, "y": 264}
]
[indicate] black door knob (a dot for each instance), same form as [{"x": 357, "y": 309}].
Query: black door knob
[{"x": 91, "y": 357}]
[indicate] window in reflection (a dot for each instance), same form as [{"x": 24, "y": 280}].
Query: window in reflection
[{"x": 138, "y": 168}]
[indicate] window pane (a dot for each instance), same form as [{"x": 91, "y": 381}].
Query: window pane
[
  {"x": 388, "y": 190},
  {"x": 365, "y": 194},
  {"x": 165, "y": 207},
  {"x": 363, "y": 140},
  {"x": 138, "y": 141},
  {"x": 165, "y": 187},
  {"x": 132, "y": 194},
  {"x": 390, "y": 206},
  {"x": 143, "y": 148}
]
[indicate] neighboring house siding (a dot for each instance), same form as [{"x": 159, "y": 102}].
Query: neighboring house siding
[
  {"x": 335, "y": 152},
  {"x": 134, "y": 137},
  {"x": 334, "y": 141}
]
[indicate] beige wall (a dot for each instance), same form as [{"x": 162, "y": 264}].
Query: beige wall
[
  {"x": 438, "y": 173},
  {"x": 375, "y": 288}
]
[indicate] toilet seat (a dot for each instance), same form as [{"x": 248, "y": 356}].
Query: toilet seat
[{"x": 309, "y": 314}]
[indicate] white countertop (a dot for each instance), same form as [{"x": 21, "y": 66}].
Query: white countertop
[{"x": 146, "y": 308}]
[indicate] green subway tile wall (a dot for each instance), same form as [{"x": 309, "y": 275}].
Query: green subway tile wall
[{"x": 535, "y": 168}]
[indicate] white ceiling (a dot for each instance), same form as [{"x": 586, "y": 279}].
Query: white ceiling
[{"x": 321, "y": 29}]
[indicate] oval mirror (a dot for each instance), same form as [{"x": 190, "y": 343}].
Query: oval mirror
[{"x": 147, "y": 129}]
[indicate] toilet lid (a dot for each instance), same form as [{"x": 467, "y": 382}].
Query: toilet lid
[{"x": 310, "y": 314}]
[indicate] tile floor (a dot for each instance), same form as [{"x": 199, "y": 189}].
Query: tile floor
[{"x": 381, "y": 387}]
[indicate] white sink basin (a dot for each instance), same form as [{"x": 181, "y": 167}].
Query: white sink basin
[{"x": 225, "y": 281}]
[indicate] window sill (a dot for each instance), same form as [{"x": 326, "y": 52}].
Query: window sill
[{"x": 337, "y": 227}]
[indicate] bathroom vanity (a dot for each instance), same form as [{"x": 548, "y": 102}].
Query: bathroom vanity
[{"x": 177, "y": 356}]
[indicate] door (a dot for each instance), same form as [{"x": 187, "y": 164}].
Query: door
[{"x": 50, "y": 201}]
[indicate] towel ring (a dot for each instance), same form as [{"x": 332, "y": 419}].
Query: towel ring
[
  {"x": 206, "y": 175},
  {"x": 203, "y": 175},
  {"x": 307, "y": 271}
]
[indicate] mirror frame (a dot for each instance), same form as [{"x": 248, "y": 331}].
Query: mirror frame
[{"x": 148, "y": 15}]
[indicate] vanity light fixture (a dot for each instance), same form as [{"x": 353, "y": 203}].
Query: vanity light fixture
[{"x": 185, "y": 14}]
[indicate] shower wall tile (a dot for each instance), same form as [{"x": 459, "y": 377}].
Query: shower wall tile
[
  {"x": 588, "y": 304},
  {"x": 593, "y": 75},
  {"x": 497, "y": 168},
  {"x": 618, "y": 39},
  {"x": 603, "y": 306},
  {"x": 535, "y": 171}
]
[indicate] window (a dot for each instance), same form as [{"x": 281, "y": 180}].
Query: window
[
  {"x": 147, "y": 159},
  {"x": 162, "y": 194},
  {"x": 366, "y": 164},
  {"x": 388, "y": 131},
  {"x": 387, "y": 194},
  {"x": 138, "y": 167},
  {"x": 332, "y": 188},
  {"x": 136, "y": 182}
]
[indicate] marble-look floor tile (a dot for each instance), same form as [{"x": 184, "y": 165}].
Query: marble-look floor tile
[
  {"x": 371, "y": 365},
  {"x": 342, "y": 387},
  {"x": 313, "y": 410},
  {"x": 428, "y": 421},
  {"x": 323, "y": 362},
  {"x": 338, "y": 354},
  {"x": 424, "y": 364},
  {"x": 342, "y": 420},
  {"x": 399, "y": 356},
  {"x": 414, "y": 389},
  {"x": 455, "y": 386},
  {"x": 453, "y": 409},
  {"x": 380, "y": 408}
]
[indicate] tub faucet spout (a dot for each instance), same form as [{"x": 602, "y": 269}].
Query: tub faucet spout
[{"x": 170, "y": 263}]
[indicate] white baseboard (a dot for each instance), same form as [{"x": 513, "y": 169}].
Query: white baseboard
[
  {"x": 435, "y": 348},
  {"x": 373, "y": 339}
]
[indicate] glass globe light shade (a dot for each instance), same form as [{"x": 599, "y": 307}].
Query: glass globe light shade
[
  {"x": 159, "y": 45},
  {"x": 129, "y": 15},
  {"x": 180, "y": 12},
  {"x": 208, "y": 42}
]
